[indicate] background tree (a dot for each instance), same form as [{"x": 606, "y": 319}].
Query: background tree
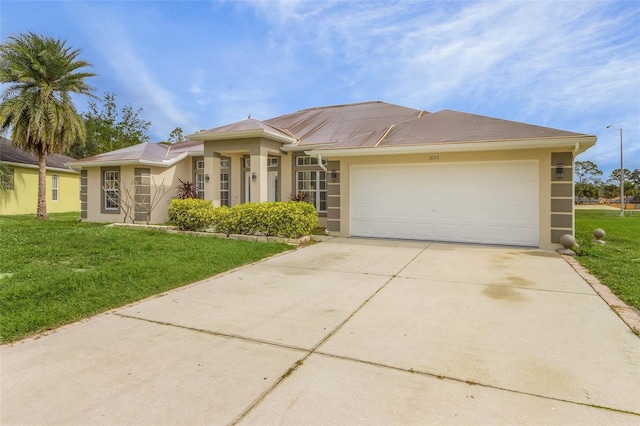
[
  {"x": 630, "y": 187},
  {"x": 176, "y": 135},
  {"x": 586, "y": 171},
  {"x": 635, "y": 177},
  {"x": 588, "y": 182},
  {"x": 41, "y": 73},
  {"x": 110, "y": 128}
]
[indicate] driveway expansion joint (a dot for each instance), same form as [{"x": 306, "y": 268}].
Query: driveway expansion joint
[
  {"x": 216, "y": 333},
  {"x": 468, "y": 382},
  {"x": 324, "y": 339}
]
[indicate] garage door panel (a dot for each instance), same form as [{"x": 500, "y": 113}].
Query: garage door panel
[{"x": 494, "y": 202}]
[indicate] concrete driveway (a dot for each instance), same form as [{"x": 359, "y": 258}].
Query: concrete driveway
[{"x": 344, "y": 332}]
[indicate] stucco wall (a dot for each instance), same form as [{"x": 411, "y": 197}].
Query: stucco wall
[
  {"x": 23, "y": 199},
  {"x": 543, "y": 157},
  {"x": 167, "y": 177}
]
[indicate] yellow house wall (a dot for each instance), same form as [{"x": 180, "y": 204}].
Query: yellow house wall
[
  {"x": 23, "y": 199},
  {"x": 543, "y": 157}
]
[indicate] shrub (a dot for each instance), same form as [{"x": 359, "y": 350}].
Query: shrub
[
  {"x": 191, "y": 214},
  {"x": 289, "y": 220},
  {"x": 186, "y": 190}
]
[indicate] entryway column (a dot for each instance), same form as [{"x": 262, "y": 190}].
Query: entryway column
[
  {"x": 259, "y": 179},
  {"x": 212, "y": 177}
]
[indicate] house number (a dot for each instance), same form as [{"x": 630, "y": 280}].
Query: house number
[{"x": 434, "y": 157}]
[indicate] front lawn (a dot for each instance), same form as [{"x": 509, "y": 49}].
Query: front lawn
[
  {"x": 617, "y": 263},
  {"x": 60, "y": 270}
]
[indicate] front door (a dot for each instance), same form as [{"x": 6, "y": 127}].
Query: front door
[
  {"x": 272, "y": 185},
  {"x": 247, "y": 187}
]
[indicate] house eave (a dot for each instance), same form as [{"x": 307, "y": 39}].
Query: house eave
[
  {"x": 163, "y": 163},
  {"x": 242, "y": 134},
  {"x": 33, "y": 166},
  {"x": 306, "y": 147},
  {"x": 576, "y": 144}
]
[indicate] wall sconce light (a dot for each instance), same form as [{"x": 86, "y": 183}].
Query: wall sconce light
[
  {"x": 334, "y": 175},
  {"x": 559, "y": 170},
  {"x": 254, "y": 176},
  {"x": 206, "y": 178}
]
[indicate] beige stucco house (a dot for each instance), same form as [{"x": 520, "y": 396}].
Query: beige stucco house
[{"x": 373, "y": 169}]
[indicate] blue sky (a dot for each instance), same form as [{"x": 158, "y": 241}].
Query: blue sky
[{"x": 197, "y": 65}]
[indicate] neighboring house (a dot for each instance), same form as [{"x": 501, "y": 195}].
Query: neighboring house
[
  {"x": 373, "y": 170},
  {"x": 20, "y": 194}
]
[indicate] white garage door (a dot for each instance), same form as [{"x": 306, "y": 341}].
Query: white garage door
[{"x": 488, "y": 202}]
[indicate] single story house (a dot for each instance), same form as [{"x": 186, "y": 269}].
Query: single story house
[
  {"x": 373, "y": 169},
  {"x": 19, "y": 193}
]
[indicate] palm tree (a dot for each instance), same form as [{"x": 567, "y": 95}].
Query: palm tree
[{"x": 36, "y": 105}]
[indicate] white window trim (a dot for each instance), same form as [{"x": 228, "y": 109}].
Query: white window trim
[
  {"x": 55, "y": 187},
  {"x": 224, "y": 190},
  {"x": 200, "y": 185},
  {"x": 272, "y": 161},
  {"x": 200, "y": 165},
  {"x": 308, "y": 161},
  {"x": 108, "y": 190},
  {"x": 9, "y": 182},
  {"x": 224, "y": 164},
  {"x": 317, "y": 191}
]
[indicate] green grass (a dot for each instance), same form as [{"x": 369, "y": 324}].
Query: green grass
[
  {"x": 617, "y": 263},
  {"x": 56, "y": 271}
]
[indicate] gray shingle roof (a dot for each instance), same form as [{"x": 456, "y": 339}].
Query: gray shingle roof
[{"x": 11, "y": 154}]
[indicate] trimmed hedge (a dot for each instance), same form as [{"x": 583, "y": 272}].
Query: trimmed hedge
[
  {"x": 279, "y": 219},
  {"x": 191, "y": 214}
]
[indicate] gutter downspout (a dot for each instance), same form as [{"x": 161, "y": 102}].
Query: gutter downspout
[{"x": 319, "y": 157}]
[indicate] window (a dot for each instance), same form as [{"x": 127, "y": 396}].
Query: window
[
  {"x": 272, "y": 162},
  {"x": 200, "y": 164},
  {"x": 224, "y": 189},
  {"x": 309, "y": 161},
  {"x": 247, "y": 163},
  {"x": 54, "y": 187},
  {"x": 111, "y": 188},
  {"x": 315, "y": 183},
  {"x": 200, "y": 185},
  {"x": 6, "y": 179},
  {"x": 224, "y": 164}
]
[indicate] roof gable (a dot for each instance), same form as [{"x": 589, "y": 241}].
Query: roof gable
[{"x": 245, "y": 129}]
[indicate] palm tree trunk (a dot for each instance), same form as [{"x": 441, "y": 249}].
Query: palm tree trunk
[{"x": 41, "y": 212}]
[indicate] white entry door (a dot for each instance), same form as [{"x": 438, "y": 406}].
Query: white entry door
[
  {"x": 272, "y": 185},
  {"x": 247, "y": 187},
  {"x": 480, "y": 202}
]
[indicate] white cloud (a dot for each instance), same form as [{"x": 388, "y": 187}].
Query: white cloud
[
  {"x": 570, "y": 65},
  {"x": 121, "y": 52}
]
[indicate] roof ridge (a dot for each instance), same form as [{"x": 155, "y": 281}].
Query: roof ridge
[{"x": 343, "y": 105}]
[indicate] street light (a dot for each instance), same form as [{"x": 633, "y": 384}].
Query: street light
[{"x": 621, "y": 172}]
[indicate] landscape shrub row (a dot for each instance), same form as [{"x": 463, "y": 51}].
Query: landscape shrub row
[{"x": 280, "y": 219}]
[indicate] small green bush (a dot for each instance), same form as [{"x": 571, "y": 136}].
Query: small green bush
[
  {"x": 191, "y": 214},
  {"x": 280, "y": 219}
]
